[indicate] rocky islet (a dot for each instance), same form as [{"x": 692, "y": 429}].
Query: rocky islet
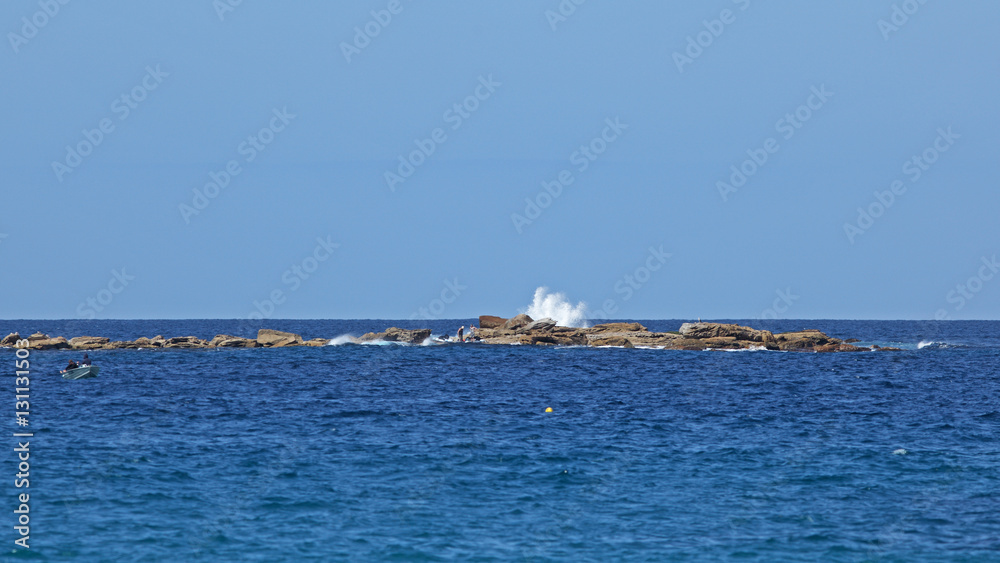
[{"x": 518, "y": 330}]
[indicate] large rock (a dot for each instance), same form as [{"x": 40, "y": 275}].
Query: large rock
[
  {"x": 57, "y": 343},
  {"x": 88, "y": 342},
  {"x": 10, "y": 340},
  {"x": 617, "y": 327},
  {"x": 155, "y": 342},
  {"x": 619, "y": 341},
  {"x": 517, "y": 322},
  {"x": 651, "y": 339},
  {"x": 803, "y": 340},
  {"x": 561, "y": 339},
  {"x": 38, "y": 336},
  {"x": 541, "y": 325},
  {"x": 229, "y": 341},
  {"x": 489, "y": 321},
  {"x": 277, "y": 339},
  {"x": 182, "y": 342},
  {"x": 394, "y": 334},
  {"x": 717, "y": 330},
  {"x": 317, "y": 342}
]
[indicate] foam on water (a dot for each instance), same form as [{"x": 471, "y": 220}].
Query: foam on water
[
  {"x": 556, "y": 306},
  {"x": 341, "y": 340},
  {"x": 937, "y": 345}
]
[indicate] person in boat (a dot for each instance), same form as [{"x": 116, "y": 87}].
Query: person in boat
[
  {"x": 72, "y": 365},
  {"x": 461, "y": 330},
  {"x": 85, "y": 361}
]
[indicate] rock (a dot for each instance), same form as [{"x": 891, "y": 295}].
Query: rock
[
  {"x": 10, "y": 340},
  {"x": 886, "y": 349},
  {"x": 723, "y": 342},
  {"x": 565, "y": 339},
  {"x": 851, "y": 341},
  {"x": 617, "y": 327},
  {"x": 88, "y": 342},
  {"x": 687, "y": 344},
  {"x": 277, "y": 339},
  {"x": 714, "y": 330},
  {"x": 317, "y": 342},
  {"x": 653, "y": 339},
  {"x": 803, "y": 339},
  {"x": 517, "y": 322},
  {"x": 38, "y": 336},
  {"x": 57, "y": 343},
  {"x": 229, "y": 341},
  {"x": 155, "y": 342},
  {"x": 394, "y": 334},
  {"x": 183, "y": 342},
  {"x": 119, "y": 344},
  {"x": 489, "y": 321},
  {"x": 620, "y": 341},
  {"x": 541, "y": 325}
]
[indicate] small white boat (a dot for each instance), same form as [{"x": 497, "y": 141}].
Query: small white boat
[{"x": 82, "y": 372}]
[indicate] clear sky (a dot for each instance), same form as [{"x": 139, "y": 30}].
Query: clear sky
[{"x": 115, "y": 113}]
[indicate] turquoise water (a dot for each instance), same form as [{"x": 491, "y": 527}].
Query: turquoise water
[{"x": 413, "y": 453}]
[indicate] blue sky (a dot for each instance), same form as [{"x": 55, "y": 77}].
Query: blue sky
[{"x": 500, "y": 97}]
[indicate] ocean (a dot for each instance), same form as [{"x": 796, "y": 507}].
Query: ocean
[{"x": 437, "y": 453}]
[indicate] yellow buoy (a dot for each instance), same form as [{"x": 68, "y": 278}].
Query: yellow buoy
[{"x": 548, "y": 409}]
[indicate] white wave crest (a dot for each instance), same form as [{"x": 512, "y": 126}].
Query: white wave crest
[
  {"x": 341, "y": 340},
  {"x": 556, "y": 306}
]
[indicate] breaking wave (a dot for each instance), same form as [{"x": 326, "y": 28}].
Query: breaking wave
[
  {"x": 556, "y": 306},
  {"x": 938, "y": 345},
  {"x": 341, "y": 340}
]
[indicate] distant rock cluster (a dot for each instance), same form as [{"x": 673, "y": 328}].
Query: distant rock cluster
[
  {"x": 520, "y": 329},
  {"x": 266, "y": 338}
]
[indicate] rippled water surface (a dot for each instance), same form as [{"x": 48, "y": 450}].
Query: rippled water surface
[{"x": 430, "y": 453}]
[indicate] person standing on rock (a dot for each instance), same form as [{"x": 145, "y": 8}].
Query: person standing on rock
[{"x": 461, "y": 330}]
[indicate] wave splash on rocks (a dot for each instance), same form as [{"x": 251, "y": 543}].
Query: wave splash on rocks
[{"x": 555, "y": 306}]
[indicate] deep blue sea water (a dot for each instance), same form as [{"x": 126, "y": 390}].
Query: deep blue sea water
[{"x": 434, "y": 453}]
